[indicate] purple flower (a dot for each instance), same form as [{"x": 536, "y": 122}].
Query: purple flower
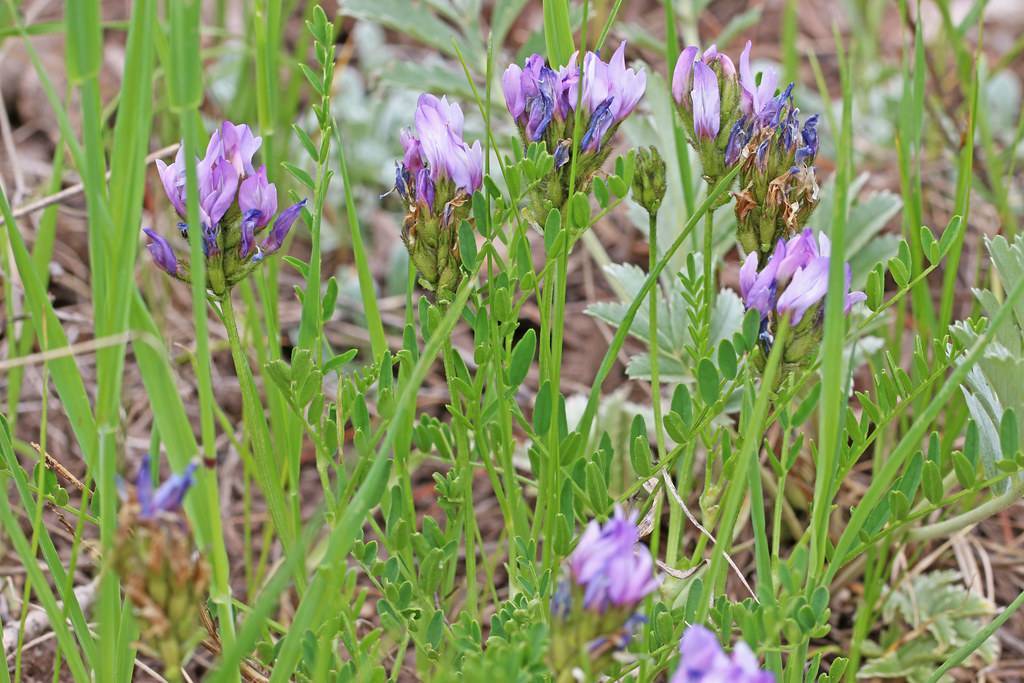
[
  {"x": 236, "y": 144},
  {"x": 173, "y": 179},
  {"x": 794, "y": 279},
  {"x": 602, "y": 81},
  {"x": 798, "y": 252},
  {"x": 755, "y": 96},
  {"x": 758, "y": 289},
  {"x": 163, "y": 254},
  {"x": 681, "y": 75},
  {"x": 168, "y": 497},
  {"x": 627, "y": 86},
  {"x": 703, "y": 661},
  {"x": 425, "y": 188},
  {"x": 439, "y": 147},
  {"x": 706, "y": 102},
  {"x": 739, "y": 136},
  {"x": 808, "y": 287},
  {"x": 809, "y": 136},
  {"x": 685, "y": 71},
  {"x": 257, "y": 200},
  {"x": 218, "y": 186},
  {"x": 512, "y": 86},
  {"x": 281, "y": 227},
  {"x": 609, "y": 568},
  {"x": 412, "y": 158}
]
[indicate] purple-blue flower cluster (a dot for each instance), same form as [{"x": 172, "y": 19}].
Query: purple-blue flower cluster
[
  {"x": 236, "y": 202},
  {"x": 435, "y": 155},
  {"x": 436, "y": 177},
  {"x": 792, "y": 283},
  {"x": 537, "y": 96},
  {"x": 702, "y": 660},
  {"x": 595, "y": 605},
  {"x": 794, "y": 279}
]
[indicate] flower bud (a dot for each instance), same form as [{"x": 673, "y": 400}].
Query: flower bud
[{"x": 649, "y": 179}]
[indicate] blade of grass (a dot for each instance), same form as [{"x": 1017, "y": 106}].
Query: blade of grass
[
  {"x": 557, "y": 32},
  {"x": 35, "y": 575},
  {"x": 833, "y": 396}
]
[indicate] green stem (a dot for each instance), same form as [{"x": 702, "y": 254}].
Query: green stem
[
  {"x": 652, "y": 334},
  {"x": 952, "y": 525},
  {"x": 753, "y": 434},
  {"x": 709, "y": 276},
  {"x": 267, "y": 469}
]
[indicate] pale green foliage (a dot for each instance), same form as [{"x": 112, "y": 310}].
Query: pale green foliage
[
  {"x": 926, "y": 619},
  {"x": 674, "y": 333},
  {"x": 996, "y": 384}
]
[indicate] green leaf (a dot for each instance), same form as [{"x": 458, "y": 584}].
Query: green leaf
[
  {"x": 579, "y": 210},
  {"x": 552, "y": 228},
  {"x": 467, "y": 245},
  {"x": 682, "y": 404},
  {"x": 707, "y": 381},
  {"x": 522, "y": 358},
  {"x": 542, "y": 409},
  {"x": 300, "y": 175},
  {"x": 557, "y": 32},
  {"x": 1009, "y": 438},
  {"x": 727, "y": 359},
  {"x": 931, "y": 480}
]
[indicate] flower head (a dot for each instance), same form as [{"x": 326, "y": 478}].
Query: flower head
[
  {"x": 595, "y": 604},
  {"x": 236, "y": 201},
  {"x": 702, "y": 660},
  {"x": 436, "y": 177},
  {"x": 793, "y": 283},
  {"x": 163, "y": 576},
  {"x": 610, "y": 93},
  {"x": 606, "y": 565}
]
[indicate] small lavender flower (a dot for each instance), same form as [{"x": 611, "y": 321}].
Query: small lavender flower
[
  {"x": 163, "y": 254},
  {"x": 707, "y": 114},
  {"x": 173, "y": 179},
  {"x": 702, "y": 660},
  {"x": 257, "y": 200},
  {"x": 218, "y": 187},
  {"x": 756, "y": 97},
  {"x": 236, "y": 144},
  {"x": 168, "y": 497},
  {"x": 610, "y": 93},
  {"x": 281, "y": 227}
]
